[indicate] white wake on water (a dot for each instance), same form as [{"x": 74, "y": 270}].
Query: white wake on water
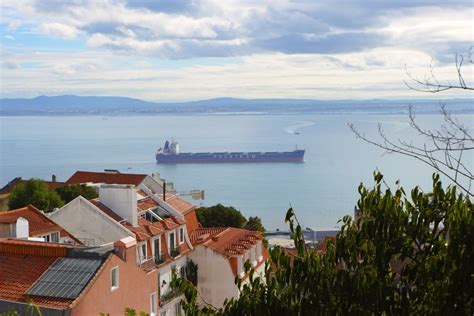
[{"x": 295, "y": 128}]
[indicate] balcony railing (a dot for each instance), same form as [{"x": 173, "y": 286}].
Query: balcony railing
[
  {"x": 159, "y": 258},
  {"x": 169, "y": 296},
  {"x": 174, "y": 252}
]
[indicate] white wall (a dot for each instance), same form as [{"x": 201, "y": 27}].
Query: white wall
[
  {"x": 215, "y": 276},
  {"x": 85, "y": 222},
  {"x": 166, "y": 275},
  {"x": 122, "y": 200}
]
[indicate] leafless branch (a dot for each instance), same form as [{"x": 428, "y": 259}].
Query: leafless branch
[{"x": 431, "y": 84}]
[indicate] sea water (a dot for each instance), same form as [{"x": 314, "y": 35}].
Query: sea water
[{"x": 322, "y": 190}]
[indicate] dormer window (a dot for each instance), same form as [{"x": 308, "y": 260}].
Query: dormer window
[
  {"x": 142, "y": 253},
  {"x": 172, "y": 241}
]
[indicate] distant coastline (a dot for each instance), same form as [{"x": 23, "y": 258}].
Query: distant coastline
[{"x": 70, "y": 105}]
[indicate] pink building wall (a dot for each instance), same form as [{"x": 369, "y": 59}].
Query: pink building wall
[{"x": 135, "y": 288}]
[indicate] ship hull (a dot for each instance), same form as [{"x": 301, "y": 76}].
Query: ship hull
[{"x": 234, "y": 157}]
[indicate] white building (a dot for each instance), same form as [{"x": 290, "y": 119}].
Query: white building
[{"x": 220, "y": 254}]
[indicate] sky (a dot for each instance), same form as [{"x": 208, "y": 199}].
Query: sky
[{"x": 175, "y": 50}]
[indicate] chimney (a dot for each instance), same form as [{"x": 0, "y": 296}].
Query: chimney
[
  {"x": 122, "y": 199},
  {"x": 22, "y": 229},
  {"x": 122, "y": 245},
  {"x": 53, "y": 178}
]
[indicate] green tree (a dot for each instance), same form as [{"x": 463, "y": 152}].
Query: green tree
[
  {"x": 70, "y": 192},
  {"x": 404, "y": 254},
  {"x": 35, "y": 192},
  {"x": 254, "y": 223},
  {"x": 220, "y": 216}
]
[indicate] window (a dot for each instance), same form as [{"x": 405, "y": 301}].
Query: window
[
  {"x": 157, "y": 250},
  {"x": 153, "y": 304},
  {"x": 55, "y": 237},
  {"x": 142, "y": 252},
  {"x": 114, "y": 278},
  {"x": 181, "y": 235},
  {"x": 172, "y": 241}
]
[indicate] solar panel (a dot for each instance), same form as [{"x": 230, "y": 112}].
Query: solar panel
[{"x": 65, "y": 278}]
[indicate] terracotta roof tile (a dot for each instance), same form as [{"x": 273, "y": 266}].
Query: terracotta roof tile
[
  {"x": 180, "y": 205},
  {"x": 229, "y": 241},
  {"x": 29, "y": 247},
  {"x": 19, "y": 272},
  {"x": 169, "y": 223},
  {"x": 146, "y": 203},
  {"x": 38, "y": 223},
  {"x": 22, "y": 263},
  {"x": 106, "y": 177},
  {"x": 192, "y": 222}
]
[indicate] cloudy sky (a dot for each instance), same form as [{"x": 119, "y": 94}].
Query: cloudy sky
[{"x": 186, "y": 50}]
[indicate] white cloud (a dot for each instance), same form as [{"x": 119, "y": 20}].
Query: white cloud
[
  {"x": 255, "y": 76},
  {"x": 59, "y": 30},
  {"x": 282, "y": 48}
]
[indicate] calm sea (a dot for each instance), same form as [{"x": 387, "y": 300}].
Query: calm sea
[{"x": 321, "y": 190}]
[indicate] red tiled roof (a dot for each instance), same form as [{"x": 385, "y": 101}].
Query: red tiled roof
[
  {"x": 29, "y": 247},
  {"x": 19, "y": 272},
  {"x": 229, "y": 241},
  {"x": 169, "y": 223},
  {"x": 22, "y": 262},
  {"x": 106, "y": 177},
  {"x": 12, "y": 184},
  {"x": 38, "y": 223},
  {"x": 180, "y": 205},
  {"x": 192, "y": 222},
  {"x": 146, "y": 203}
]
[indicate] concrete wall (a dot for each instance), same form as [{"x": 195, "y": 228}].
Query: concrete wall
[
  {"x": 90, "y": 225},
  {"x": 215, "y": 276},
  {"x": 122, "y": 200},
  {"x": 135, "y": 288}
]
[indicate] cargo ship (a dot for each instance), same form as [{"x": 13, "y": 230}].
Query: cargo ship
[{"x": 170, "y": 154}]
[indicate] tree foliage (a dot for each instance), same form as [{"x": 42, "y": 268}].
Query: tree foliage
[
  {"x": 404, "y": 254},
  {"x": 35, "y": 192},
  {"x": 227, "y": 216},
  {"x": 70, "y": 192},
  {"x": 254, "y": 223},
  {"x": 220, "y": 216}
]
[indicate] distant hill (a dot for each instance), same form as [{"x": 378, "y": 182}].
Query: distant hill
[{"x": 93, "y": 105}]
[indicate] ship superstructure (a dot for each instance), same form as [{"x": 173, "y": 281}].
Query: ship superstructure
[{"x": 170, "y": 153}]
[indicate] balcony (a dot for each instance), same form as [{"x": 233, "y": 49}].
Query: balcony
[
  {"x": 174, "y": 252},
  {"x": 169, "y": 296},
  {"x": 159, "y": 258}
]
